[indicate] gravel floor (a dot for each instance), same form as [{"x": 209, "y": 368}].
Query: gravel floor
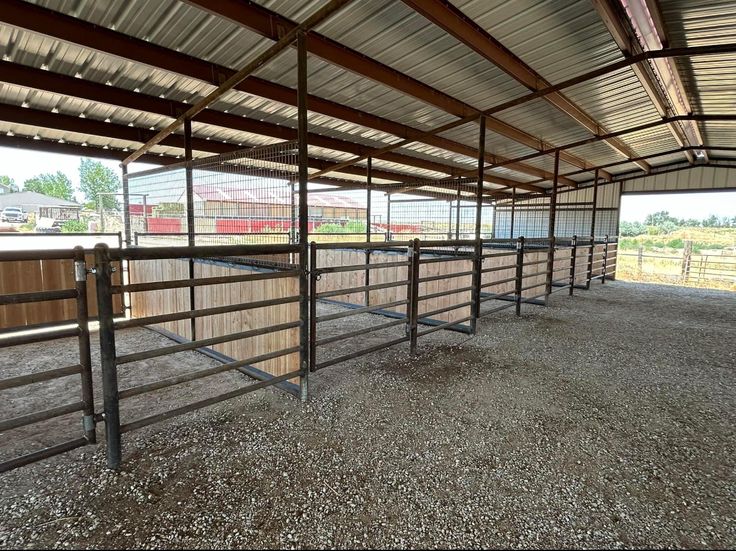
[{"x": 604, "y": 420}]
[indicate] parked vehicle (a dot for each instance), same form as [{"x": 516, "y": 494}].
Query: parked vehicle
[{"x": 14, "y": 214}]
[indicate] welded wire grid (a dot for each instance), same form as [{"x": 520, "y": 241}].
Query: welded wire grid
[
  {"x": 338, "y": 215},
  {"x": 246, "y": 193},
  {"x": 243, "y": 197},
  {"x": 444, "y": 210}
]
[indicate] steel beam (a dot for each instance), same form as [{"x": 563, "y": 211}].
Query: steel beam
[
  {"x": 269, "y": 24},
  {"x": 453, "y": 21},
  {"x": 69, "y": 29}
]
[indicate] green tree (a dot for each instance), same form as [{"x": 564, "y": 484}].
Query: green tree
[
  {"x": 9, "y": 183},
  {"x": 96, "y": 178},
  {"x": 659, "y": 218},
  {"x": 632, "y": 229},
  {"x": 54, "y": 185}
]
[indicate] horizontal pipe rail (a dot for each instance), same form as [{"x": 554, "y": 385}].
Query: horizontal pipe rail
[
  {"x": 428, "y": 315},
  {"x": 362, "y": 288},
  {"x": 499, "y": 282},
  {"x": 39, "y": 416},
  {"x": 200, "y": 251},
  {"x": 363, "y": 352},
  {"x": 199, "y": 282},
  {"x": 446, "y": 293},
  {"x": 201, "y": 343},
  {"x": 498, "y": 296},
  {"x": 498, "y": 268},
  {"x": 427, "y": 279},
  {"x": 23, "y": 380},
  {"x": 38, "y": 296},
  {"x": 16, "y": 340},
  {"x": 443, "y": 326},
  {"x": 357, "y": 311},
  {"x": 202, "y": 373},
  {"x": 45, "y": 453},
  {"x": 359, "y": 332},
  {"x": 202, "y": 312},
  {"x": 357, "y": 267},
  {"x": 398, "y": 245},
  {"x": 150, "y": 420},
  {"x": 446, "y": 259}
]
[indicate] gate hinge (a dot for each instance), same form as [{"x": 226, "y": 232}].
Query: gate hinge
[{"x": 88, "y": 421}]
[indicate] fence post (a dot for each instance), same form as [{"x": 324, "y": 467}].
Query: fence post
[
  {"x": 640, "y": 260},
  {"x": 605, "y": 259},
  {"x": 85, "y": 360},
  {"x": 519, "y": 272},
  {"x": 573, "y": 258},
  {"x": 413, "y": 306},
  {"x": 550, "y": 269},
  {"x": 103, "y": 271},
  {"x": 477, "y": 266},
  {"x": 686, "y": 259},
  {"x": 313, "y": 275},
  {"x": 591, "y": 255}
]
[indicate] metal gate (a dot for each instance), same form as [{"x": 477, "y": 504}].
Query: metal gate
[{"x": 70, "y": 271}]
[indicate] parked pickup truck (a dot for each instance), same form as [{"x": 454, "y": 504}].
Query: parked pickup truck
[{"x": 13, "y": 214}]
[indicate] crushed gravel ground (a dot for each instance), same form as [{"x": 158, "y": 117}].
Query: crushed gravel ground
[{"x": 604, "y": 420}]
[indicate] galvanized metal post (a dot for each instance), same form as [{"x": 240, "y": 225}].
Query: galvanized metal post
[
  {"x": 519, "y": 273},
  {"x": 103, "y": 273},
  {"x": 85, "y": 359},
  {"x": 478, "y": 256},
  {"x": 304, "y": 267},
  {"x": 368, "y": 185},
  {"x": 388, "y": 218},
  {"x": 493, "y": 226},
  {"x": 313, "y": 276},
  {"x": 457, "y": 216},
  {"x": 551, "y": 229},
  {"x": 513, "y": 210},
  {"x": 573, "y": 259},
  {"x": 190, "y": 216},
  {"x": 126, "y": 206},
  {"x": 145, "y": 214},
  {"x": 413, "y": 296},
  {"x": 605, "y": 258}
]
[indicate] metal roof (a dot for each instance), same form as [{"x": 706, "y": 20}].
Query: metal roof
[{"x": 557, "y": 39}]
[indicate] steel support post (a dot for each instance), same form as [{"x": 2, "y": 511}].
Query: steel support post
[
  {"x": 573, "y": 260},
  {"x": 551, "y": 229},
  {"x": 493, "y": 227},
  {"x": 85, "y": 359},
  {"x": 368, "y": 185},
  {"x": 513, "y": 212},
  {"x": 303, "y": 213},
  {"x": 388, "y": 217},
  {"x": 413, "y": 305},
  {"x": 478, "y": 257},
  {"x": 190, "y": 215},
  {"x": 313, "y": 276},
  {"x": 103, "y": 276},
  {"x": 592, "y": 229},
  {"x": 518, "y": 282},
  {"x": 126, "y": 207},
  {"x": 605, "y": 259},
  {"x": 457, "y": 216}
]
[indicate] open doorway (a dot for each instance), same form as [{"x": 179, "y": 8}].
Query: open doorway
[{"x": 679, "y": 238}]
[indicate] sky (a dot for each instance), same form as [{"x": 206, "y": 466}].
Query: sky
[
  {"x": 22, "y": 164},
  {"x": 634, "y": 208}
]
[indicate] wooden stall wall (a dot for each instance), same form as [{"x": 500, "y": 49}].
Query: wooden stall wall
[
  {"x": 176, "y": 300},
  {"x": 249, "y": 291},
  {"x": 47, "y": 275}
]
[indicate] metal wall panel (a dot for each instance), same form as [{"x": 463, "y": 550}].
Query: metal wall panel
[{"x": 694, "y": 179}]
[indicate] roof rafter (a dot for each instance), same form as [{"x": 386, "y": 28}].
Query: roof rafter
[
  {"x": 456, "y": 23},
  {"x": 76, "y": 31},
  {"x": 270, "y": 24}
]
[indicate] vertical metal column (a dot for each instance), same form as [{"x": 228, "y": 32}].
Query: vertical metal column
[
  {"x": 292, "y": 229},
  {"x": 303, "y": 213},
  {"x": 85, "y": 359},
  {"x": 413, "y": 295},
  {"x": 592, "y": 229},
  {"x": 449, "y": 219},
  {"x": 126, "y": 206},
  {"x": 573, "y": 259},
  {"x": 478, "y": 258},
  {"x": 513, "y": 209},
  {"x": 368, "y": 185},
  {"x": 457, "y": 216},
  {"x": 605, "y": 258},
  {"x": 519, "y": 273},
  {"x": 190, "y": 215},
  {"x": 388, "y": 218},
  {"x": 313, "y": 275},
  {"x": 493, "y": 226},
  {"x": 145, "y": 214},
  {"x": 103, "y": 272},
  {"x": 551, "y": 229}
]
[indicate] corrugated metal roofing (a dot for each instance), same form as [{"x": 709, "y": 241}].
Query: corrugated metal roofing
[{"x": 557, "y": 38}]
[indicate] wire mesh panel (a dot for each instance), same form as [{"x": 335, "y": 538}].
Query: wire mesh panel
[
  {"x": 249, "y": 192},
  {"x": 338, "y": 215}
]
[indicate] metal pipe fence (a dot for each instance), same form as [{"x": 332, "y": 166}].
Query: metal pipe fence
[{"x": 362, "y": 298}]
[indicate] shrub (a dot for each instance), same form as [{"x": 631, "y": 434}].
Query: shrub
[
  {"x": 676, "y": 243},
  {"x": 74, "y": 226}
]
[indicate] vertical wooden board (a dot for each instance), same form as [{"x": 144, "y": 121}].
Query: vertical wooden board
[{"x": 18, "y": 277}]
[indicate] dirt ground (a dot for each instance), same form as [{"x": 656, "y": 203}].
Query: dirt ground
[{"x": 604, "y": 420}]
